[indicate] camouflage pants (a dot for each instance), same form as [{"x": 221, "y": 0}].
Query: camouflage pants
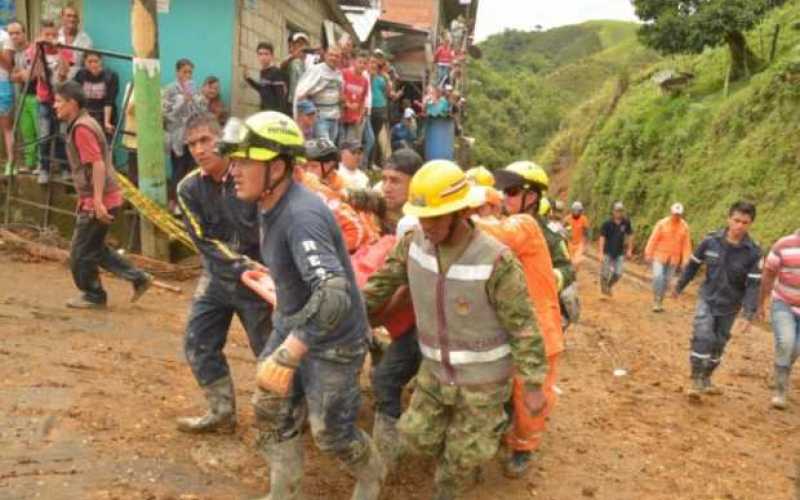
[{"x": 461, "y": 427}]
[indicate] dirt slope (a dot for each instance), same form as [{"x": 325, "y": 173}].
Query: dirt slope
[{"x": 88, "y": 399}]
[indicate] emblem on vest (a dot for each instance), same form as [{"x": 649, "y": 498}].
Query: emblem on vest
[{"x": 463, "y": 306}]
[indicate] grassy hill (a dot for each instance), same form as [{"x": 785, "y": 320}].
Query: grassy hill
[
  {"x": 706, "y": 147},
  {"x": 528, "y": 82}
]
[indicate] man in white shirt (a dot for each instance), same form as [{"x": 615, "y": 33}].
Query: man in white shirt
[
  {"x": 71, "y": 34},
  {"x": 351, "y": 175}
]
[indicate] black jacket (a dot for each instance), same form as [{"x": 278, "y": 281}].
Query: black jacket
[
  {"x": 273, "y": 89},
  {"x": 733, "y": 274},
  {"x": 224, "y": 228}
]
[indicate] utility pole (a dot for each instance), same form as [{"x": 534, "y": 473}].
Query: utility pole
[{"x": 149, "y": 135}]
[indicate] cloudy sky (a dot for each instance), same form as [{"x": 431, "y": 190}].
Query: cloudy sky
[{"x": 496, "y": 15}]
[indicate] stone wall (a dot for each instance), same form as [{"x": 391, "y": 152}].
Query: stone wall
[{"x": 269, "y": 20}]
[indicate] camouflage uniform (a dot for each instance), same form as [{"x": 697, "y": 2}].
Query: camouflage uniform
[
  {"x": 459, "y": 423},
  {"x": 559, "y": 253}
]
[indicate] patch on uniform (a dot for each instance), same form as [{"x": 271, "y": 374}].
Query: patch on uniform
[{"x": 463, "y": 306}]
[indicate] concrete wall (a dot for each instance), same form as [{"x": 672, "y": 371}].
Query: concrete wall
[{"x": 270, "y": 21}]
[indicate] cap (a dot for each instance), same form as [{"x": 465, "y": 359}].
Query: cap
[
  {"x": 300, "y": 36},
  {"x": 352, "y": 146},
  {"x": 577, "y": 207},
  {"x": 618, "y": 205},
  {"x": 409, "y": 113},
  {"x": 404, "y": 160},
  {"x": 306, "y": 107},
  {"x": 379, "y": 53},
  {"x": 677, "y": 209}
]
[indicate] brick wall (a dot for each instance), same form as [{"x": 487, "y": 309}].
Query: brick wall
[
  {"x": 268, "y": 20},
  {"x": 418, "y": 13}
]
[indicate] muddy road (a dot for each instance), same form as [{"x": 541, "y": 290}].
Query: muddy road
[{"x": 88, "y": 402}]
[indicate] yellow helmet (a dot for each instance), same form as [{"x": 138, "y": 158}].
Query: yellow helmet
[
  {"x": 480, "y": 176},
  {"x": 263, "y": 137},
  {"x": 544, "y": 207},
  {"x": 440, "y": 187},
  {"x": 531, "y": 172}
]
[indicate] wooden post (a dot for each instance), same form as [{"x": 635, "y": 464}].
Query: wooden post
[{"x": 149, "y": 133}]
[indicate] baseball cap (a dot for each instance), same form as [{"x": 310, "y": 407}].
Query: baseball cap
[
  {"x": 404, "y": 160},
  {"x": 618, "y": 205},
  {"x": 300, "y": 36},
  {"x": 677, "y": 209},
  {"x": 379, "y": 53},
  {"x": 306, "y": 107},
  {"x": 352, "y": 146}
]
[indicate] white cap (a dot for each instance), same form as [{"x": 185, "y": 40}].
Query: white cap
[
  {"x": 677, "y": 209},
  {"x": 409, "y": 113},
  {"x": 300, "y": 36},
  {"x": 618, "y": 206},
  {"x": 577, "y": 207}
]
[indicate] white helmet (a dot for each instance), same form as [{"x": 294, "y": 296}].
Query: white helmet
[{"x": 577, "y": 207}]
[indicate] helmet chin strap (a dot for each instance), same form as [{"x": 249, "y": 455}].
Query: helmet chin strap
[{"x": 269, "y": 187}]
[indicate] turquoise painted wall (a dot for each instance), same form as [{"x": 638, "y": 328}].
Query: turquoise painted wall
[{"x": 200, "y": 30}]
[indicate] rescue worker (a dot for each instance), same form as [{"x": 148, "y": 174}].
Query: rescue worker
[
  {"x": 578, "y": 225},
  {"x": 99, "y": 202},
  {"x": 668, "y": 249},
  {"x": 781, "y": 281},
  {"x": 318, "y": 174},
  {"x": 733, "y": 278},
  {"x": 224, "y": 229},
  {"x": 524, "y": 183},
  {"x": 476, "y": 328},
  {"x": 522, "y": 234},
  {"x": 313, "y": 359}
]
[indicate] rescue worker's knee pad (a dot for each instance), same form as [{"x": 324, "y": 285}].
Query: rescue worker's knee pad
[{"x": 351, "y": 450}]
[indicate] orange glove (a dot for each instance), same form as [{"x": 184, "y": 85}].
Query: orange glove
[
  {"x": 535, "y": 401},
  {"x": 276, "y": 373}
]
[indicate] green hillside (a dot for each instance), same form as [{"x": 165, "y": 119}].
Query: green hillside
[
  {"x": 528, "y": 82},
  {"x": 702, "y": 147}
]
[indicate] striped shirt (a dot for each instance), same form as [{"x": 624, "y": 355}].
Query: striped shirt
[{"x": 784, "y": 259}]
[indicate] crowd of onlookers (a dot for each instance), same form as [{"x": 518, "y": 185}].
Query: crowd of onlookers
[{"x": 348, "y": 95}]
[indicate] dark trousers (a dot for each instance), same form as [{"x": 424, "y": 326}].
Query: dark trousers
[
  {"x": 710, "y": 335},
  {"x": 378, "y": 119},
  {"x": 213, "y": 306},
  {"x": 397, "y": 367},
  {"x": 181, "y": 165},
  {"x": 89, "y": 252}
]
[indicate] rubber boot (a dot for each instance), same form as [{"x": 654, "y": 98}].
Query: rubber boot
[
  {"x": 285, "y": 469},
  {"x": 369, "y": 472},
  {"x": 518, "y": 463},
  {"x": 444, "y": 487},
  {"x": 658, "y": 305},
  {"x": 781, "y": 386},
  {"x": 221, "y": 414},
  {"x": 710, "y": 388},
  {"x": 697, "y": 388},
  {"x": 387, "y": 440}
]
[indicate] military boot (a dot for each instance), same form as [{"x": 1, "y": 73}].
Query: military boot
[
  {"x": 221, "y": 414},
  {"x": 781, "y": 386},
  {"x": 285, "y": 469},
  {"x": 387, "y": 439},
  {"x": 518, "y": 463},
  {"x": 370, "y": 471}
]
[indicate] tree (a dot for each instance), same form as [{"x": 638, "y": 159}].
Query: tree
[{"x": 689, "y": 26}]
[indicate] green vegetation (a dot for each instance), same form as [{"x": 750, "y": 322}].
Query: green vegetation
[
  {"x": 707, "y": 146},
  {"x": 528, "y": 82}
]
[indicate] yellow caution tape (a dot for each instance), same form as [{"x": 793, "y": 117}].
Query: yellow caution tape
[{"x": 155, "y": 213}]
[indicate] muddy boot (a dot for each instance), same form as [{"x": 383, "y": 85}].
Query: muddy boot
[
  {"x": 711, "y": 389},
  {"x": 221, "y": 414},
  {"x": 444, "y": 488},
  {"x": 370, "y": 472},
  {"x": 781, "y": 386},
  {"x": 387, "y": 440},
  {"x": 518, "y": 464},
  {"x": 697, "y": 389},
  {"x": 285, "y": 469},
  {"x": 658, "y": 305}
]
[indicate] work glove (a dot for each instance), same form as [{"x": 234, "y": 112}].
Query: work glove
[
  {"x": 276, "y": 373},
  {"x": 535, "y": 401}
]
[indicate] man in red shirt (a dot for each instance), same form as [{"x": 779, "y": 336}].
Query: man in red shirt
[
  {"x": 99, "y": 201},
  {"x": 356, "y": 98}
]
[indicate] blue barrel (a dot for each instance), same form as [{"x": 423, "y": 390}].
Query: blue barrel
[{"x": 440, "y": 139}]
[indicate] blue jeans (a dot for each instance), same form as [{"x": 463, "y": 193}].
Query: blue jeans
[
  {"x": 214, "y": 303},
  {"x": 442, "y": 74},
  {"x": 327, "y": 127},
  {"x": 710, "y": 335},
  {"x": 369, "y": 144},
  {"x": 48, "y": 125},
  {"x": 662, "y": 273},
  {"x": 326, "y": 389},
  {"x": 612, "y": 270},
  {"x": 397, "y": 367},
  {"x": 786, "y": 327}
]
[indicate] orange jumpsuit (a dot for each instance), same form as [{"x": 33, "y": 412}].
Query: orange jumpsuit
[
  {"x": 522, "y": 234},
  {"x": 577, "y": 241}
]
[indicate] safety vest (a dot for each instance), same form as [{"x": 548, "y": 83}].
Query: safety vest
[
  {"x": 82, "y": 174},
  {"x": 460, "y": 336}
]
